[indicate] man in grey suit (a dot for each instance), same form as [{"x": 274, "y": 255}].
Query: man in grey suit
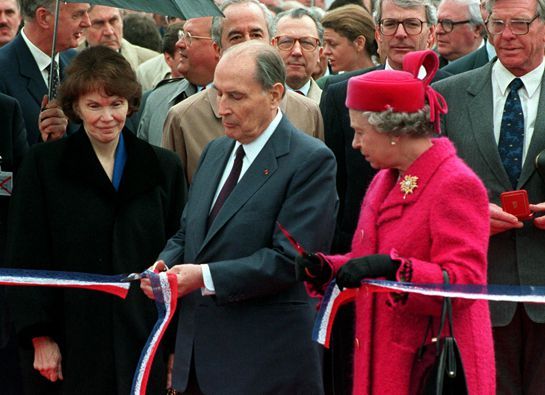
[
  {"x": 479, "y": 120},
  {"x": 245, "y": 323}
]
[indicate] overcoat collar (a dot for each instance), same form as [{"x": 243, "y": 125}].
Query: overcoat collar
[
  {"x": 142, "y": 170},
  {"x": 424, "y": 167}
]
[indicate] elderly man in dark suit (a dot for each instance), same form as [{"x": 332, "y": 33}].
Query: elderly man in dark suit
[
  {"x": 496, "y": 120},
  {"x": 245, "y": 323},
  {"x": 24, "y": 62}
]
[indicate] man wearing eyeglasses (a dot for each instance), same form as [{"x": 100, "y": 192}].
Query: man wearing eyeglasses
[
  {"x": 496, "y": 119},
  {"x": 192, "y": 124},
  {"x": 198, "y": 59},
  {"x": 459, "y": 29},
  {"x": 298, "y": 36}
]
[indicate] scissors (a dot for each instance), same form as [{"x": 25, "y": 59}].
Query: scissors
[
  {"x": 157, "y": 268},
  {"x": 133, "y": 277}
]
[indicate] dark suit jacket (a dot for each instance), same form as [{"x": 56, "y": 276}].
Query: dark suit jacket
[
  {"x": 353, "y": 172},
  {"x": 254, "y": 335},
  {"x": 516, "y": 256},
  {"x": 66, "y": 215},
  {"x": 13, "y": 145},
  {"x": 20, "y": 78},
  {"x": 468, "y": 62}
]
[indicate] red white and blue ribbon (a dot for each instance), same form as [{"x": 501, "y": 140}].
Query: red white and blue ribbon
[
  {"x": 333, "y": 297},
  {"x": 165, "y": 290},
  {"x": 332, "y": 300},
  {"x": 51, "y": 278}
]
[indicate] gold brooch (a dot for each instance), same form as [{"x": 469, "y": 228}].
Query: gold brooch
[{"x": 408, "y": 185}]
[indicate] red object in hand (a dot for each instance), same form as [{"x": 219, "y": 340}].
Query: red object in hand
[
  {"x": 292, "y": 241},
  {"x": 516, "y": 203}
]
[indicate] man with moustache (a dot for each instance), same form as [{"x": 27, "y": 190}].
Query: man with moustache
[
  {"x": 24, "y": 62},
  {"x": 10, "y": 19},
  {"x": 298, "y": 36},
  {"x": 496, "y": 121},
  {"x": 198, "y": 59},
  {"x": 107, "y": 29},
  {"x": 245, "y": 323},
  {"x": 193, "y": 123}
]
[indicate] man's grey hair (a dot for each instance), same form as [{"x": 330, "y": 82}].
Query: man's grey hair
[
  {"x": 474, "y": 9},
  {"x": 431, "y": 11},
  {"x": 217, "y": 22},
  {"x": 298, "y": 13},
  {"x": 28, "y": 7},
  {"x": 414, "y": 124},
  {"x": 269, "y": 66},
  {"x": 540, "y": 7}
]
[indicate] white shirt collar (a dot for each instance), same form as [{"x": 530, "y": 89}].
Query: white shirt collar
[
  {"x": 531, "y": 80},
  {"x": 304, "y": 89},
  {"x": 42, "y": 59},
  {"x": 421, "y": 73},
  {"x": 251, "y": 150}
]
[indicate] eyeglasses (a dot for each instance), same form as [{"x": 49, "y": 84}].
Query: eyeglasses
[
  {"x": 449, "y": 25},
  {"x": 412, "y": 26},
  {"x": 188, "y": 37},
  {"x": 518, "y": 27},
  {"x": 286, "y": 43}
]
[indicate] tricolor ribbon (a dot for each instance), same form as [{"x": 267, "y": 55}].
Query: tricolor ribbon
[
  {"x": 333, "y": 297},
  {"x": 165, "y": 290},
  {"x": 51, "y": 278}
]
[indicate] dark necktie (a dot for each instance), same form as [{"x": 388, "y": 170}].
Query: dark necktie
[
  {"x": 300, "y": 92},
  {"x": 229, "y": 185},
  {"x": 512, "y": 133},
  {"x": 53, "y": 68}
]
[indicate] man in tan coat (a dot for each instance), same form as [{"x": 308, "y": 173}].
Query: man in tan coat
[
  {"x": 107, "y": 29},
  {"x": 193, "y": 123}
]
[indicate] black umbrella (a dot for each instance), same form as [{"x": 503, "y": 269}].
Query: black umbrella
[{"x": 184, "y": 9}]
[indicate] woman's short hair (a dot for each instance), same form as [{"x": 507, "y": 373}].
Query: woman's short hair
[
  {"x": 414, "y": 124},
  {"x": 351, "y": 21},
  {"x": 99, "y": 69}
]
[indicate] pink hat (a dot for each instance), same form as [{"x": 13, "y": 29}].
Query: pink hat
[{"x": 400, "y": 91}]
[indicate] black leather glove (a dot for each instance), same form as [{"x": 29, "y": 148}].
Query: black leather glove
[
  {"x": 371, "y": 266},
  {"x": 313, "y": 269}
]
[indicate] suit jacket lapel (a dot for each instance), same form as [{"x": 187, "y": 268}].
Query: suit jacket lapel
[
  {"x": 29, "y": 69},
  {"x": 538, "y": 140},
  {"x": 215, "y": 165},
  {"x": 261, "y": 170},
  {"x": 482, "y": 124}
]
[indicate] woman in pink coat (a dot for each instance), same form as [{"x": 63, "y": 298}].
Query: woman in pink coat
[{"x": 424, "y": 212}]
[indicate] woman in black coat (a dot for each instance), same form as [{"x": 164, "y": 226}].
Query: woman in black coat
[{"x": 100, "y": 201}]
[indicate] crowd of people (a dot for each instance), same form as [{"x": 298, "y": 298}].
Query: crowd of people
[{"x": 380, "y": 134}]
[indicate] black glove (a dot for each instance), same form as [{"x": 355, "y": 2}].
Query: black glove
[
  {"x": 371, "y": 266},
  {"x": 313, "y": 269}
]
